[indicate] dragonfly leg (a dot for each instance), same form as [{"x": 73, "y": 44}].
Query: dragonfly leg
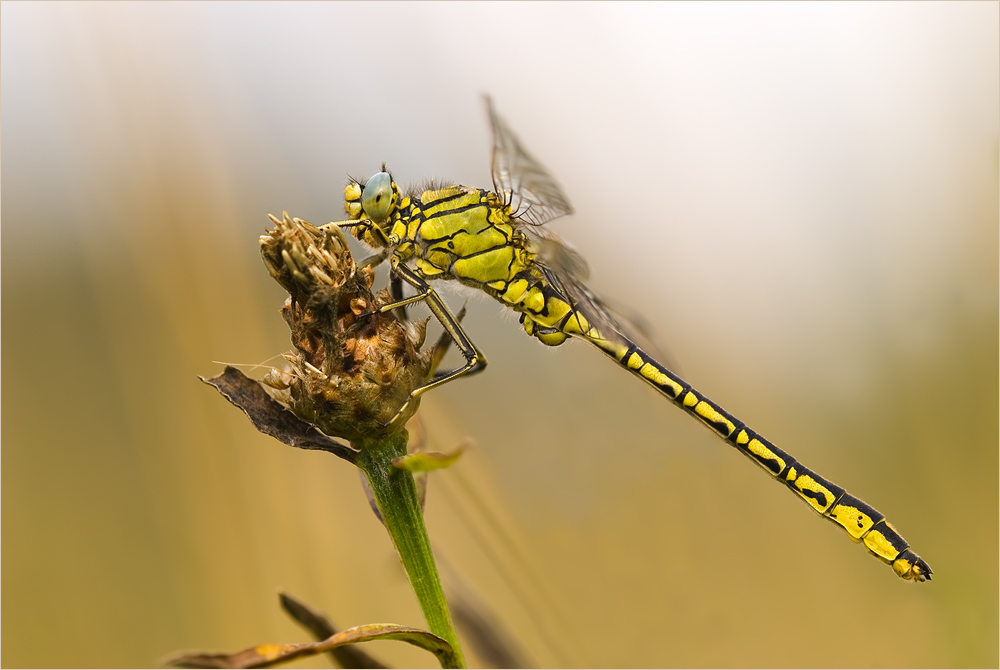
[
  {"x": 374, "y": 260},
  {"x": 441, "y": 346},
  {"x": 396, "y": 290},
  {"x": 350, "y": 223},
  {"x": 475, "y": 361},
  {"x": 372, "y": 233}
]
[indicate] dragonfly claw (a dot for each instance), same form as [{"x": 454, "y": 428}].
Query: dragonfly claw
[{"x": 393, "y": 423}]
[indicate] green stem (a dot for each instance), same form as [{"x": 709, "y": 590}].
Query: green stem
[{"x": 396, "y": 497}]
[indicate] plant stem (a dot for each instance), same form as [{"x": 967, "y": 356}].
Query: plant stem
[{"x": 396, "y": 497}]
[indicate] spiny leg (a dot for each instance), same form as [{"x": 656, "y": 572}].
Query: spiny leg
[
  {"x": 375, "y": 259},
  {"x": 396, "y": 291},
  {"x": 475, "y": 361},
  {"x": 381, "y": 241},
  {"x": 442, "y": 345},
  {"x": 350, "y": 223}
]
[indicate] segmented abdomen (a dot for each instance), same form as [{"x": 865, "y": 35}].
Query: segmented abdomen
[
  {"x": 861, "y": 521},
  {"x": 556, "y": 320}
]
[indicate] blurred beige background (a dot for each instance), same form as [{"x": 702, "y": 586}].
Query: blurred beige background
[{"x": 800, "y": 199}]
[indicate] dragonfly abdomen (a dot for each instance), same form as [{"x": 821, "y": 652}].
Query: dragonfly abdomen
[{"x": 861, "y": 521}]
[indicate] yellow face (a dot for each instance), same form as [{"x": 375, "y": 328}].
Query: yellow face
[{"x": 352, "y": 200}]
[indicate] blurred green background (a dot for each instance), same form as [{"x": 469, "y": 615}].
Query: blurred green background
[{"x": 801, "y": 200}]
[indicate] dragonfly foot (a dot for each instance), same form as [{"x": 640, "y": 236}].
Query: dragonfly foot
[{"x": 395, "y": 422}]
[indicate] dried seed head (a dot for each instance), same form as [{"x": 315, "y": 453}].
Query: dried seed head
[{"x": 352, "y": 369}]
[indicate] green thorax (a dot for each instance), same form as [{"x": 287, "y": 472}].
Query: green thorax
[{"x": 460, "y": 233}]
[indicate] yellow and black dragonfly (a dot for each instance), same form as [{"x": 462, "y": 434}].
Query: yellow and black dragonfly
[{"x": 492, "y": 240}]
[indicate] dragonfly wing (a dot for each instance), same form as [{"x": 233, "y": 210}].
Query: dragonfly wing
[
  {"x": 638, "y": 329},
  {"x": 533, "y": 194},
  {"x": 553, "y": 252},
  {"x": 565, "y": 269}
]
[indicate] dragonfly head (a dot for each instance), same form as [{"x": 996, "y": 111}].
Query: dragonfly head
[{"x": 375, "y": 199}]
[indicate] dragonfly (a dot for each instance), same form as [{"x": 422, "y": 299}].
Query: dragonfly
[{"x": 493, "y": 240}]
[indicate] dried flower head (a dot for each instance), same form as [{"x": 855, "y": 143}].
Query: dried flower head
[{"x": 352, "y": 367}]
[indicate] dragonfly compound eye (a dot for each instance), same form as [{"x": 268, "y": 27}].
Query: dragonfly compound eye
[{"x": 379, "y": 198}]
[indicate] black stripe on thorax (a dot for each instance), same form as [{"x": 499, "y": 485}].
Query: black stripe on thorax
[
  {"x": 454, "y": 210},
  {"x": 440, "y": 201}
]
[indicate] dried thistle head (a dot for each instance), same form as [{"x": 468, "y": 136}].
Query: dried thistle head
[{"x": 352, "y": 369}]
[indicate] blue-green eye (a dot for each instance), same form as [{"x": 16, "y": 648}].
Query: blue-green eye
[{"x": 379, "y": 198}]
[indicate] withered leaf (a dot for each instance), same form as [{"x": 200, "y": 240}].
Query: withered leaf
[
  {"x": 268, "y": 655},
  {"x": 270, "y": 417},
  {"x": 349, "y": 656}
]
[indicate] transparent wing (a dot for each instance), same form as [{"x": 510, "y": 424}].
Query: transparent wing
[
  {"x": 555, "y": 253},
  {"x": 533, "y": 195},
  {"x": 566, "y": 269}
]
